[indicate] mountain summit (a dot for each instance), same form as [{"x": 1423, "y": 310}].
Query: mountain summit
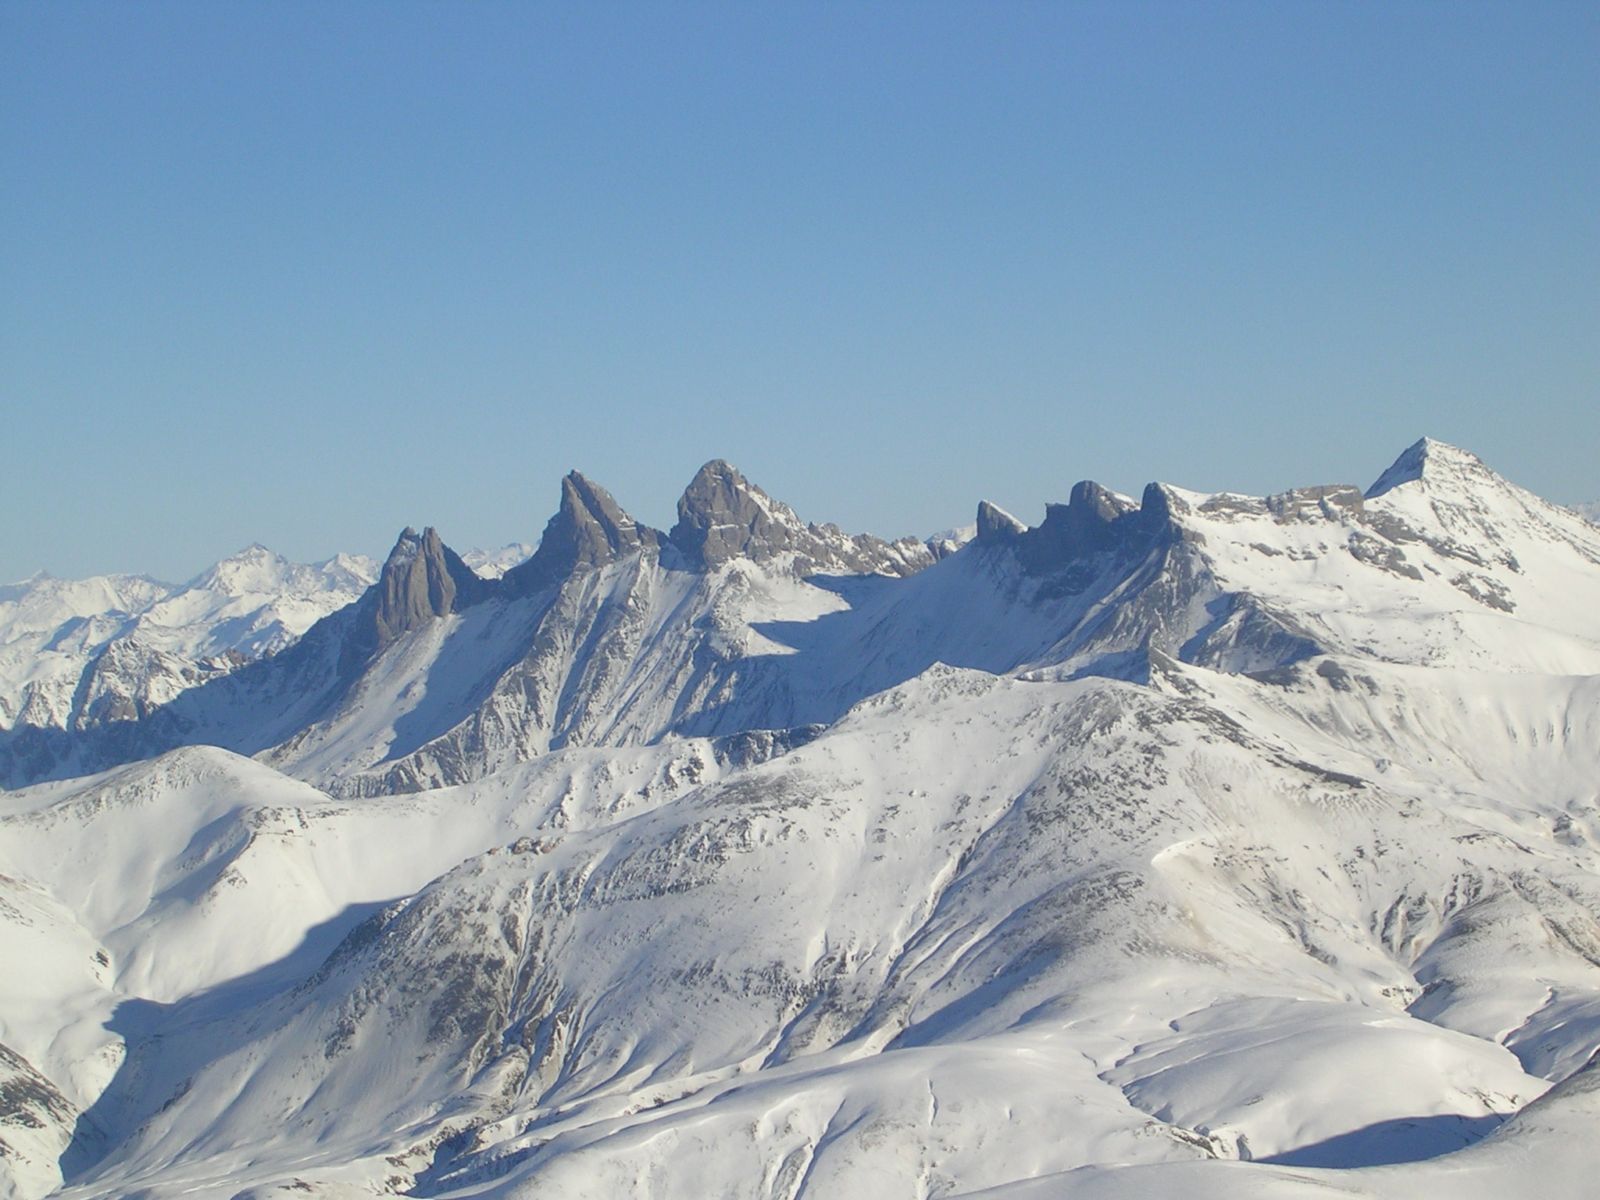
[
  {"x": 421, "y": 579},
  {"x": 1094, "y": 857},
  {"x": 722, "y": 515},
  {"x": 1433, "y": 461},
  {"x": 589, "y": 530}
]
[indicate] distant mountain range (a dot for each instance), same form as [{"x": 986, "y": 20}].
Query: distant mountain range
[
  {"x": 115, "y": 647},
  {"x": 1177, "y": 843}
]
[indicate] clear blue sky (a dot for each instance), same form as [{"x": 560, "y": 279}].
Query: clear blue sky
[{"x": 304, "y": 274}]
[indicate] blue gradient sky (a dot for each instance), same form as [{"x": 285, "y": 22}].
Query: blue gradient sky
[{"x": 304, "y": 274}]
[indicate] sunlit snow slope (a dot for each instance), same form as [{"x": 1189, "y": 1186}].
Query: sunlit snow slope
[{"x": 1196, "y": 845}]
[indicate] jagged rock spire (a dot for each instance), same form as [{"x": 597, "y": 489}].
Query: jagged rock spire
[
  {"x": 1086, "y": 523},
  {"x": 1094, "y": 519},
  {"x": 589, "y": 529},
  {"x": 422, "y": 579},
  {"x": 1082, "y": 525},
  {"x": 722, "y": 515}
]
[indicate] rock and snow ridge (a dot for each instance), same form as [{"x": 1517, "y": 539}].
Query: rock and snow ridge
[
  {"x": 614, "y": 632},
  {"x": 723, "y": 520},
  {"x": 723, "y": 516},
  {"x": 1116, "y": 856}
]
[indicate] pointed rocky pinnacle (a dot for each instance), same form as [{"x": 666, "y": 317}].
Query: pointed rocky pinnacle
[
  {"x": 422, "y": 579},
  {"x": 1085, "y": 524},
  {"x": 1094, "y": 519},
  {"x": 722, "y": 515},
  {"x": 588, "y": 530}
]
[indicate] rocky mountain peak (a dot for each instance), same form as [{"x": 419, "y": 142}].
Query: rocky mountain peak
[
  {"x": 422, "y": 579},
  {"x": 1159, "y": 507},
  {"x": 1085, "y": 523},
  {"x": 722, "y": 515},
  {"x": 1094, "y": 519},
  {"x": 588, "y": 530},
  {"x": 995, "y": 524},
  {"x": 713, "y": 487}
]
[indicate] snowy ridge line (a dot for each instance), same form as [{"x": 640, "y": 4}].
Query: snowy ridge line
[
  {"x": 614, "y": 632},
  {"x": 1115, "y": 856}
]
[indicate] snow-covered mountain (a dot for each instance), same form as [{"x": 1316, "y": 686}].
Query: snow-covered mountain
[
  {"x": 492, "y": 564},
  {"x": 1590, "y": 510},
  {"x": 75, "y": 653},
  {"x": 1195, "y": 843}
]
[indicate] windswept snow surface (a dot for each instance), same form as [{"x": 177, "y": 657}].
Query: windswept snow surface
[{"x": 1196, "y": 845}]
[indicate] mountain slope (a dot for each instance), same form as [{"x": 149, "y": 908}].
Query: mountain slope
[
  {"x": 964, "y": 870},
  {"x": 1120, "y": 855},
  {"x": 612, "y": 633},
  {"x": 631, "y": 646}
]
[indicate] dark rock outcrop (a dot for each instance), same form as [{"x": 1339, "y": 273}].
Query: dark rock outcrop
[
  {"x": 422, "y": 579},
  {"x": 723, "y": 516},
  {"x": 1086, "y": 524},
  {"x": 589, "y": 529},
  {"x": 1095, "y": 520},
  {"x": 995, "y": 524}
]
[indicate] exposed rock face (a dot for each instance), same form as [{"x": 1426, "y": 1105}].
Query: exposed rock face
[
  {"x": 945, "y": 543},
  {"x": 722, "y": 516},
  {"x": 1086, "y": 524},
  {"x": 588, "y": 530},
  {"x": 36, "y": 1125},
  {"x": 1324, "y": 502},
  {"x": 1094, "y": 520},
  {"x": 1159, "y": 509},
  {"x": 421, "y": 580},
  {"x": 995, "y": 524},
  {"x": 1317, "y": 503}
]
